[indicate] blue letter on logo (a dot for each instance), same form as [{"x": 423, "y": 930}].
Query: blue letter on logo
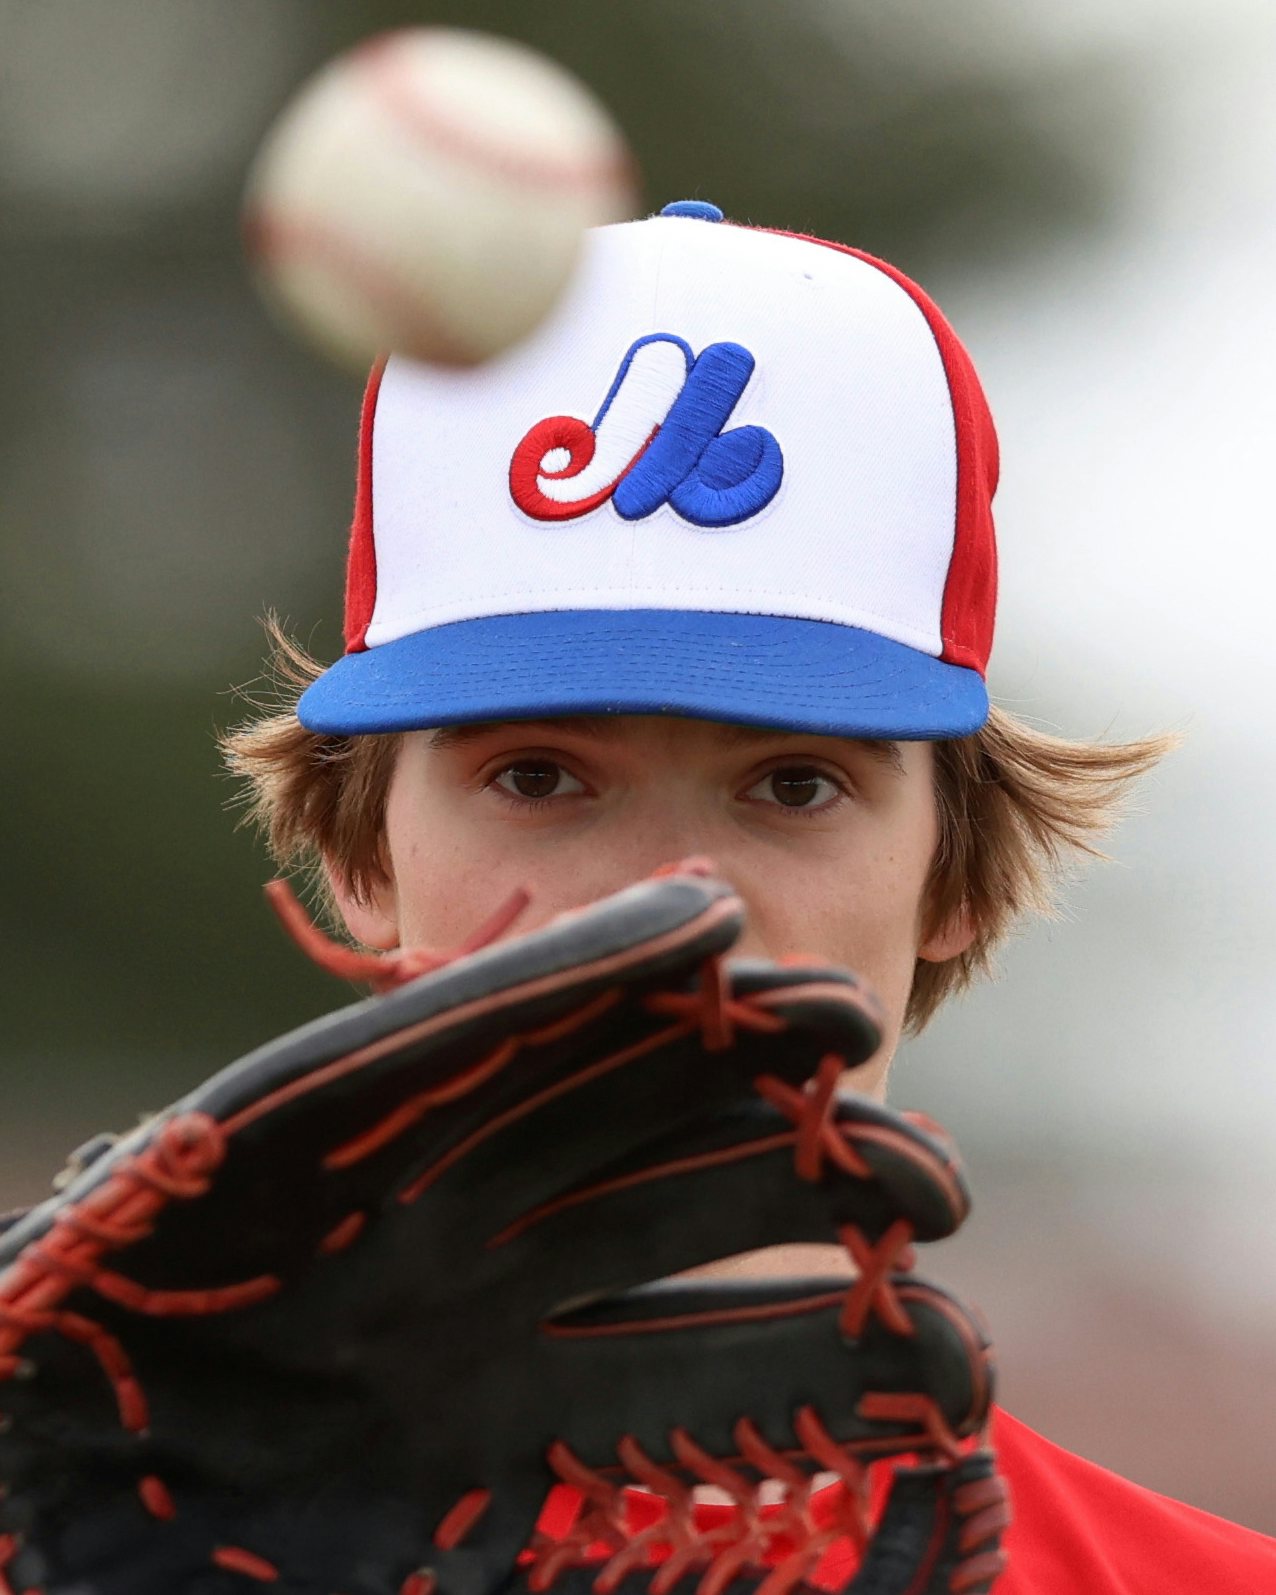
[{"x": 710, "y": 477}]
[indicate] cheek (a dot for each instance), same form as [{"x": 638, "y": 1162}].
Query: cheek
[
  {"x": 437, "y": 874},
  {"x": 882, "y": 946},
  {"x": 862, "y": 911},
  {"x": 876, "y": 935},
  {"x": 867, "y": 922},
  {"x": 854, "y": 903},
  {"x": 454, "y": 869}
]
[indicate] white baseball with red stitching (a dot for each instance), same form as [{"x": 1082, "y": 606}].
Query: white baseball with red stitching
[{"x": 428, "y": 194}]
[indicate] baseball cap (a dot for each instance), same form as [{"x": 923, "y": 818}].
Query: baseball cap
[{"x": 738, "y": 474}]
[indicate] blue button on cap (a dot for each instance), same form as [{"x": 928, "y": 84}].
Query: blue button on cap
[{"x": 701, "y": 209}]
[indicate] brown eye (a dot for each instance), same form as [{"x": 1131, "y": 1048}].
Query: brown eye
[
  {"x": 537, "y": 778},
  {"x": 795, "y": 787}
]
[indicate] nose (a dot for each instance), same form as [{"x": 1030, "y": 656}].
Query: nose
[
  {"x": 667, "y": 857},
  {"x": 663, "y": 845}
]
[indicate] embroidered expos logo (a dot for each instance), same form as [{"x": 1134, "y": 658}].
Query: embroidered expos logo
[{"x": 658, "y": 439}]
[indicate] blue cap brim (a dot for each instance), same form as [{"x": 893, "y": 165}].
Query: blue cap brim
[{"x": 764, "y": 670}]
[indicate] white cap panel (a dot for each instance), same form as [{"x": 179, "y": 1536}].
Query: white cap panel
[{"x": 848, "y": 380}]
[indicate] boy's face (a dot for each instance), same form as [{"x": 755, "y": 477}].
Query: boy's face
[{"x": 829, "y": 841}]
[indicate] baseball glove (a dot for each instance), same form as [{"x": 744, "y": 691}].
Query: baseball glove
[{"x": 338, "y": 1322}]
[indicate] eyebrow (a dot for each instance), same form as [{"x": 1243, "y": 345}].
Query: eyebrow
[{"x": 600, "y": 729}]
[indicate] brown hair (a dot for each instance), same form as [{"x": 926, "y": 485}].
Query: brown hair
[{"x": 1016, "y": 807}]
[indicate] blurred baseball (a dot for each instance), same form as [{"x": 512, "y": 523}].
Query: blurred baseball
[{"x": 428, "y": 194}]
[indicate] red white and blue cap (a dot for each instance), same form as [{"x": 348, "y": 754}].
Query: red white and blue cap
[{"x": 738, "y": 475}]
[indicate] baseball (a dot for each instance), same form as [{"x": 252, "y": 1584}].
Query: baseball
[{"x": 428, "y": 193}]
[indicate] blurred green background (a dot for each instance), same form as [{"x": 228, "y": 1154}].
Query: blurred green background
[{"x": 172, "y": 464}]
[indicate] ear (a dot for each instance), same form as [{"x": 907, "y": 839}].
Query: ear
[
  {"x": 949, "y": 939},
  {"x": 373, "y": 919}
]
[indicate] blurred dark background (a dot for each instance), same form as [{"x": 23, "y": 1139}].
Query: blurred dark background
[{"x": 172, "y": 464}]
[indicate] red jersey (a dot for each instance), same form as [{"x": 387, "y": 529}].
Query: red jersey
[
  {"x": 1080, "y": 1530},
  {"x": 1077, "y": 1530}
]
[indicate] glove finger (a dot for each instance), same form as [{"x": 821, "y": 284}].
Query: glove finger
[
  {"x": 574, "y": 1106},
  {"x": 729, "y": 1185},
  {"x": 695, "y": 1356},
  {"x": 374, "y": 1072},
  {"x": 296, "y": 1179}
]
